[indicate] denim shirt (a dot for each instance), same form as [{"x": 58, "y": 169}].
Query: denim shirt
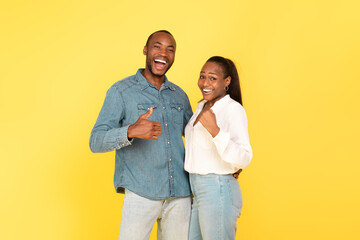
[{"x": 151, "y": 168}]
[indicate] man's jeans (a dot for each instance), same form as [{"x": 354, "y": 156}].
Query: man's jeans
[
  {"x": 216, "y": 206},
  {"x": 139, "y": 215}
]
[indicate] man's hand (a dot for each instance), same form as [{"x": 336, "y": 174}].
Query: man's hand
[
  {"x": 236, "y": 175},
  {"x": 144, "y": 128}
]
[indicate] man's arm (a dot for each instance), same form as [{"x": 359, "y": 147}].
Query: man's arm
[
  {"x": 107, "y": 133},
  {"x": 187, "y": 112},
  {"x": 237, "y": 173}
]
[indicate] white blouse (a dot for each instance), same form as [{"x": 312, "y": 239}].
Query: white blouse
[{"x": 228, "y": 151}]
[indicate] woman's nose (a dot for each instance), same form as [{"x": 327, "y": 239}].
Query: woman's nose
[{"x": 206, "y": 82}]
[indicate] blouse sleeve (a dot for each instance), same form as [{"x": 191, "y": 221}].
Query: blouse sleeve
[{"x": 232, "y": 142}]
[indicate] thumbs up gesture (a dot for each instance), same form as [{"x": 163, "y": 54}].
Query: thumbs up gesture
[
  {"x": 144, "y": 128},
  {"x": 147, "y": 114}
]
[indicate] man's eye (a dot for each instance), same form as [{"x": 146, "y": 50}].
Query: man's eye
[
  {"x": 202, "y": 77},
  {"x": 156, "y": 46},
  {"x": 212, "y": 78}
]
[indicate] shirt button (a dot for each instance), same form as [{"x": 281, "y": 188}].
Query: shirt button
[
  {"x": 148, "y": 108},
  {"x": 163, "y": 107},
  {"x": 165, "y": 124},
  {"x": 168, "y": 142},
  {"x": 170, "y": 159},
  {"x": 170, "y": 176}
]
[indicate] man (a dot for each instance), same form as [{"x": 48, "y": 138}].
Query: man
[{"x": 143, "y": 118}]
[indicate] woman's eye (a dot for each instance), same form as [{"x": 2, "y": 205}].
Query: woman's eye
[
  {"x": 202, "y": 77},
  {"x": 212, "y": 78}
]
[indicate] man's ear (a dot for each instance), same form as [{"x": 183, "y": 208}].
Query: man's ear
[{"x": 145, "y": 50}]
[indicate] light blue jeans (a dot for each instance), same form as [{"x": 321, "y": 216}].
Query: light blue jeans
[
  {"x": 139, "y": 215},
  {"x": 216, "y": 206}
]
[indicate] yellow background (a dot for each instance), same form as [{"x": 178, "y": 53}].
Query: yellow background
[{"x": 299, "y": 68}]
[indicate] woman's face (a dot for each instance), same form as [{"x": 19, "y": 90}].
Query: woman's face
[{"x": 212, "y": 82}]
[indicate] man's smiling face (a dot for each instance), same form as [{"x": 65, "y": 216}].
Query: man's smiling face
[{"x": 160, "y": 53}]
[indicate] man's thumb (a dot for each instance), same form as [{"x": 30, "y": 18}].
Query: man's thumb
[{"x": 147, "y": 114}]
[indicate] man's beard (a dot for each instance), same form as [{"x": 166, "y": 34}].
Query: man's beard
[{"x": 157, "y": 75}]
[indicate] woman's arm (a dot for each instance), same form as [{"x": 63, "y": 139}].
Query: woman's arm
[{"x": 232, "y": 141}]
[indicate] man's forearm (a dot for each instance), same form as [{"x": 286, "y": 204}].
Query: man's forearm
[{"x": 109, "y": 140}]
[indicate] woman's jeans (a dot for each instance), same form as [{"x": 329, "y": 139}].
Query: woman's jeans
[{"x": 216, "y": 206}]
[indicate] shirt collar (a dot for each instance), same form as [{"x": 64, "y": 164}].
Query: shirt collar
[
  {"x": 220, "y": 103},
  {"x": 145, "y": 83}
]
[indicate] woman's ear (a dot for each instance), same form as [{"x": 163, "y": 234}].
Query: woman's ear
[{"x": 227, "y": 81}]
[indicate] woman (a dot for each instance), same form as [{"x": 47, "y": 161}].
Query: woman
[{"x": 217, "y": 145}]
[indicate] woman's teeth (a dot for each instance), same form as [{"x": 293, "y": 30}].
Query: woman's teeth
[{"x": 207, "y": 90}]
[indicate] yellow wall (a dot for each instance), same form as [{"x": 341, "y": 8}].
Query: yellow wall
[{"x": 299, "y": 67}]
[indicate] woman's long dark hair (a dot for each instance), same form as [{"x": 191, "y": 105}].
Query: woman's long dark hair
[{"x": 229, "y": 70}]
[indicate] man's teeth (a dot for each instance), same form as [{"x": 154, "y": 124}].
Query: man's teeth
[
  {"x": 207, "y": 90},
  {"x": 160, "y": 61}
]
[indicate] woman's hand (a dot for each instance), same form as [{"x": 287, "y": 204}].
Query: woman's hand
[{"x": 208, "y": 120}]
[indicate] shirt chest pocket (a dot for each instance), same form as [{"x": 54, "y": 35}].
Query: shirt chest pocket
[
  {"x": 145, "y": 107},
  {"x": 177, "y": 112}
]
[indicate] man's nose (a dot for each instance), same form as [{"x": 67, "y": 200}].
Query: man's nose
[{"x": 162, "y": 52}]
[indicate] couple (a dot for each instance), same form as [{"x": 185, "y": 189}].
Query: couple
[{"x": 144, "y": 117}]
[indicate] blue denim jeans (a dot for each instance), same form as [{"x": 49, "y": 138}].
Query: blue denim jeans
[
  {"x": 216, "y": 206},
  {"x": 139, "y": 215}
]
